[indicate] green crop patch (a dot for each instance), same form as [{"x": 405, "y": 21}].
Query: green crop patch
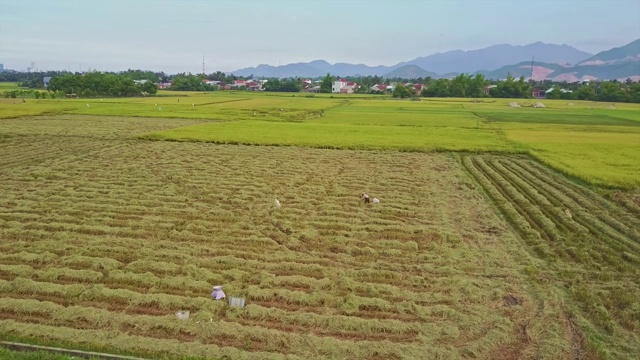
[
  {"x": 343, "y": 136},
  {"x": 542, "y": 116},
  {"x": 604, "y": 156}
]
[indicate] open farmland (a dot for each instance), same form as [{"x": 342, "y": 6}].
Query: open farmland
[
  {"x": 104, "y": 236},
  {"x": 587, "y": 140}
]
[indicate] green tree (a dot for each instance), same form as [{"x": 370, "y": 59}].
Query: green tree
[
  {"x": 438, "y": 88},
  {"x": 143, "y": 75},
  {"x": 585, "y": 92},
  {"x": 99, "y": 84},
  {"x": 568, "y": 95},
  {"x": 291, "y": 85},
  {"x": 554, "y": 94},
  {"x": 189, "y": 82},
  {"x": 634, "y": 92},
  {"x": 217, "y": 76},
  {"x": 326, "y": 84},
  {"x": 510, "y": 88},
  {"x": 273, "y": 84},
  {"x": 477, "y": 85},
  {"x": 459, "y": 85},
  {"x": 401, "y": 91},
  {"x": 283, "y": 85},
  {"x": 612, "y": 91},
  {"x": 148, "y": 88}
]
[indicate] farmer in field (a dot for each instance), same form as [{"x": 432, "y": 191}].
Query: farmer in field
[
  {"x": 218, "y": 293},
  {"x": 365, "y": 197}
]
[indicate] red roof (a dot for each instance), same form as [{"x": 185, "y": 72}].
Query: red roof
[
  {"x": 351, "y": 83},
  {"x": 343, "y": 80},
  {"x": 382, "y": 86},
  {"x": 240, "y": 82}
]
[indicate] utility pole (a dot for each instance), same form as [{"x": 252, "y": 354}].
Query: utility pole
[{"x": 203, "y": 72}]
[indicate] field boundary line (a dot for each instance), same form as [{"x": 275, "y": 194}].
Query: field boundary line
[{"x": 83, "y": 354}]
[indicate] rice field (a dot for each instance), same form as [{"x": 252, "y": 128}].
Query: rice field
[
  {"x": 486, "y": 254},
  {"x": 598, "y": 143},
  {"x": 590, "y": 245},
  {"x": 116, "y": 235}
]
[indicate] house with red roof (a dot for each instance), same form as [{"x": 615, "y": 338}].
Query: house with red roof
[
  {"x": 253, "y": 85},
  {"x": 381, "y": 88}
]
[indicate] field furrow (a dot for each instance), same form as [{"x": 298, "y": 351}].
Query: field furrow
[
  {"x": 596, "y": 239},
  {"x": 596, "y": 220},
  {"x": 573, "y": 236},
  {"x": 611, "y": 214}
]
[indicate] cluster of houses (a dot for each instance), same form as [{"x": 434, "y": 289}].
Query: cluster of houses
[
  {"x": 341, "y": 86},
  {"x": 348, "y": 87},
  {"x": 252, "y": 85},
  {"x": 538, "y": 93}
]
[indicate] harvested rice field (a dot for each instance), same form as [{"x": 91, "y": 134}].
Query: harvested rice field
[{"x": 105, "y": 236}]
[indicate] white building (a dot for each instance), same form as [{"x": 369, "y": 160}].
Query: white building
[
  {"x": 564, "y": 91},
  {"x": 345, "y": 87},
  {"x": 337, "y": 85}
]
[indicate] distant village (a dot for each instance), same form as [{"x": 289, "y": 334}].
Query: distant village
[
  {"x": 146, "y": 83},
  {"x": 341, "y": 86}
]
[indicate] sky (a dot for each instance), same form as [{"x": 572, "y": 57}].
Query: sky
[{"x": 173, "y": 36}]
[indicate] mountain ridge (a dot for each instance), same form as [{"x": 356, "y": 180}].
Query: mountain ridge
[
  {"x": 496, "y": 56},
  {"x": 630, "y": 51},
  {"x": 551, "y": 61},
  {"x": 454, "y": 61}
]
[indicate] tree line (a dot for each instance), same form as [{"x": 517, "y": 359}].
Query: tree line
[
  {"x": 467, "y": 86},
  {"x": 477, "y": 86},
  {"x": 101, "y": 84},
  {"x": 463, "y": 85}
]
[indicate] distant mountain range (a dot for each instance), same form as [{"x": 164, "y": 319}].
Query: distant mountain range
[
  {"x": 630, "y": 51},
  {"x": 558, "y": 62},
  {"x": 496, "y": 56},
  {"x": 618, "y": 63}
]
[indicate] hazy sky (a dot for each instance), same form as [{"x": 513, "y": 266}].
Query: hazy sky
[{"x": 172, "y": 36}]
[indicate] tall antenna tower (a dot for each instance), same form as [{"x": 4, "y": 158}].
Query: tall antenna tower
[
  {"x": 531, "y": 67},
  {"x": 203, "y": 72}
]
